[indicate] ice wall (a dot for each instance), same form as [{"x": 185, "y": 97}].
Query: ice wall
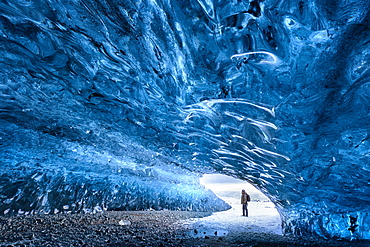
[{"x": 124, "y": 104}]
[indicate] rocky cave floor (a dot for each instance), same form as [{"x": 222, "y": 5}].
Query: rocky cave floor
[{"x": 134, "y": 228}]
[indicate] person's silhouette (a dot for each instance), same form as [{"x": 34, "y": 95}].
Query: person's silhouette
[{"x": 245, "y": 198}]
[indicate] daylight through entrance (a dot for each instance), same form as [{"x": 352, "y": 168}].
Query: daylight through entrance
[{"x": 263, "y": 216}]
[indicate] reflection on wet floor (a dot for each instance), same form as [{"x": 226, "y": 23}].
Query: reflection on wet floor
[{"x": 204, "y": 233}]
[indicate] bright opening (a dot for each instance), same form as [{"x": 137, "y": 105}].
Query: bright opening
[
  {"x": 263, "y": 216},
  {"x": 229, "y": 188}
]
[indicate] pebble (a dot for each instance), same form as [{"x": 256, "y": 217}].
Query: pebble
[{"x": 124, "y": 223}]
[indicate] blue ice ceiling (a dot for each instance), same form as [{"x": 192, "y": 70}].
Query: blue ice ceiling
[{"x": 120, "y": 104}]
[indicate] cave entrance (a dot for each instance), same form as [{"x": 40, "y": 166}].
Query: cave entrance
[{"x": 263, "y": 216}]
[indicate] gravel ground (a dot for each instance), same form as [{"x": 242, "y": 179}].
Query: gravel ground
[{"x": 135, "y": 228}]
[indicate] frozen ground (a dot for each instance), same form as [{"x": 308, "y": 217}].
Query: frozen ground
[{"x": 263, "y": 218}]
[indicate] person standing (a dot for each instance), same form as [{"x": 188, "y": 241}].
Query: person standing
[{"x": 244, "y": 200}]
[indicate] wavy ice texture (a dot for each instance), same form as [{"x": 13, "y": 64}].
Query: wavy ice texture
[{"x": 125, "y": 104}]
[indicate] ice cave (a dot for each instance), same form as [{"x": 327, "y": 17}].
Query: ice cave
[{"x": 125, "y": 104}]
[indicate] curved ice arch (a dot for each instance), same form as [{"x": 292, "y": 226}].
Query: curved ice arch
[{"x": 105, "y": 74}]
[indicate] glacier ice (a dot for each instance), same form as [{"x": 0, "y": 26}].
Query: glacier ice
[{"x": 125, "y": 104}]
